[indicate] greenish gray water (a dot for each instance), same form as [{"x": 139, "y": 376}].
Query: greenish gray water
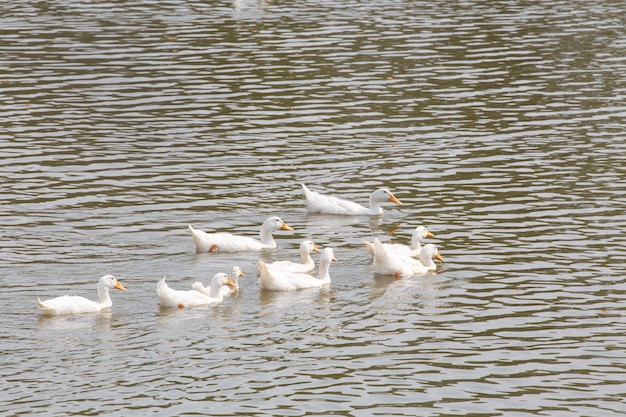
[{"x": 500, "y": 125}]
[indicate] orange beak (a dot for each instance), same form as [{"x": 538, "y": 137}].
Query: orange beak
[
  {"x": 439, "y": 257},
  {"x": 119, "y": 286},
  {"x": 285, "y": 227},
  {"x": 230, "y": 283},
  {"x": 428, "y": 234},
  {"x": 316, "y": 249},
  {"x": 393, "y": 199}
]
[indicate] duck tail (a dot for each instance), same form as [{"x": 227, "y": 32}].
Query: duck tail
[
  {"x": 380, "y": 254},
  {"x": 195, "y": 234},
  {"x": 41, "y": 305},
  {"x": 198, "y": 286},
  {"x": 369, "y": 246},
  {"x": 161, "y": 285}
]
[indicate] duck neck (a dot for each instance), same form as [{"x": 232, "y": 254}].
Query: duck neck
[
  {"x": 266, "y": 236},
  {"x": 375, "y": 207},
  {"x": 416, "y": 244},
  {"x": 305, "y": 256},
  {"x": 426, "y": 260},
  {"x": 103, "y": 296},
  {"x": 215, "y": 290},
  {"x": 234, "y": 277},
  {"x": 323, "y": 273}
]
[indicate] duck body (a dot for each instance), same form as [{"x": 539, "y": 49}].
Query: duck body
[
  {"x": 280, "y": 280},
  {"x": 228, "y": 242},
  {"x": 73, "y": 304},
  {"x": 323, "y": 204},
  {"x": 225, "y": 290},
  {"x": 169, "y": 297},
  {"x": 419, "y": 233},
  {"x": 306, "y": 265},
  {"x": 389, "y": 263}
]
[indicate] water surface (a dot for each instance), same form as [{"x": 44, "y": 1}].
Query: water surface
[{"x": 500, "y": 126}]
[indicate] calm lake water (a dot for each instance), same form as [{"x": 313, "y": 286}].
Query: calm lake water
[{"x": 500, "y": 125}]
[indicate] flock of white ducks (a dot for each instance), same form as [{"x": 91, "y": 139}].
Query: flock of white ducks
[{"x": 387, "y": 259}]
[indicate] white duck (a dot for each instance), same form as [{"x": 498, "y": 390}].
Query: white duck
[
  {"x": 388, "y": 263},
  {"x": 226, "y": 242},
  {"x": 419, "y": 233},
  {"x": 306, "y": 264},
  {"x": 322, "y": 204},
  {"x": 280, "y": 280},
  {"x": 73, "y": 304},
  {"x": 176, "y": 298},
  {"x": 235, "y": 273}
]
